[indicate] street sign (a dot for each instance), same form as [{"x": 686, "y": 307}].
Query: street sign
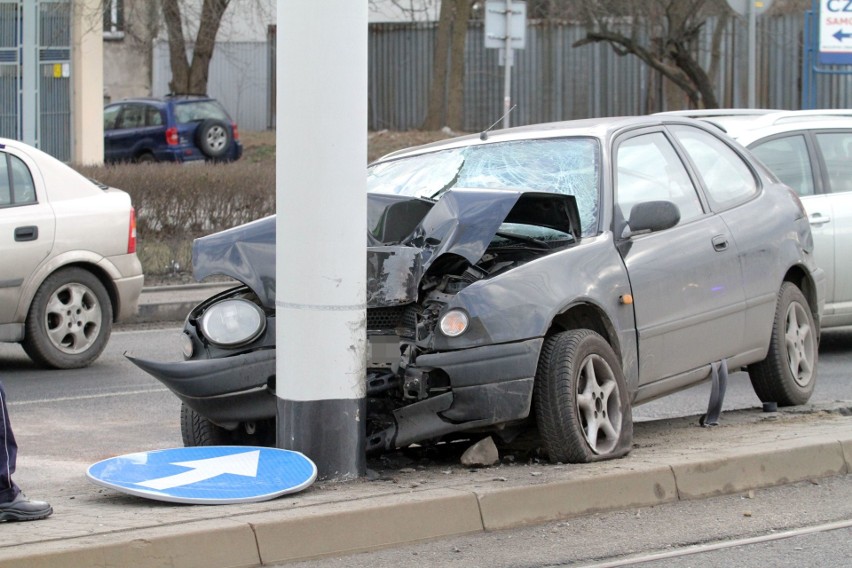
[
  {"x": 499, "y": 19},
  {"x": 742, "y": 7},
  {"x": 211, "y": 475},
  {"x": 835, "y": 32}
]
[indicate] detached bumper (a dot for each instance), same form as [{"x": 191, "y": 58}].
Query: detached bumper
[{"x": 225, "y": 391}]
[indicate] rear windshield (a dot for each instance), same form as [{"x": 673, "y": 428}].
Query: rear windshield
[{"x": 194, "y": 111}]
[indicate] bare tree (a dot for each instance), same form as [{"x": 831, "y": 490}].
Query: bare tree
[
  {"x": 663, "y": 34},
  {"x": 447, "y": 89},
  {"x": 189, "y": 77}
]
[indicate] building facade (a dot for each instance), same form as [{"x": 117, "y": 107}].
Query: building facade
[{"x": 51, "y": 76}]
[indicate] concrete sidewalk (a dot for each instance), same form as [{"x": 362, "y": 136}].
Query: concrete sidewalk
[{"x": 413, "y": 497}]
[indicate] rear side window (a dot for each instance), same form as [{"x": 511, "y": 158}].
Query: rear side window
[
  {"x": 788, "y": 159},
  {"x": 727, "y": 178},
  {"x": 836, "y": 150},
  {"x": 16, "y": 182},
  {"x": 110, "y": 116},
  {"x": 195, "y": 111}
]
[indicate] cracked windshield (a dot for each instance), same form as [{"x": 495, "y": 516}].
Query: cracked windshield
[{"x": 568, "y": 166}]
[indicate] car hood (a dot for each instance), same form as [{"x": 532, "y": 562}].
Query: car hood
[{"x": 406, "y": 235}]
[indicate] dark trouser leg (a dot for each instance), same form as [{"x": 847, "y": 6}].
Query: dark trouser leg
[{"x": 8, "y": 453}]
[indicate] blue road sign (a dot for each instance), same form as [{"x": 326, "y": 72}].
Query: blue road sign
[
  {"x": 835, "y": 32},
  {"x": 211, "y": 475}
]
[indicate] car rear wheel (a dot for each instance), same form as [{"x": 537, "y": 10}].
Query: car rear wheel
[
  {"x": 213, "y": 138},
  {"x": 70, "y": 320},
  {"x": 198, "y": 431},
  {"x": 788, "y": 374},
  {"x": 580, "y": 397}
]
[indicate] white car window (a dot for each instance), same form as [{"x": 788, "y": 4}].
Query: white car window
[
  {"x": 648, "y": 169},
  {"x": 16, "y": 183},
  {"x": 726, "y": 176},
  {"x": 23, "y": 188},
  {"x": 787, "y": 158},
  {"x": 836, "y": 150}
]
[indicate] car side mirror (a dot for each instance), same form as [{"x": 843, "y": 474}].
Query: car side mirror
[{"x": 651, "y": 216}]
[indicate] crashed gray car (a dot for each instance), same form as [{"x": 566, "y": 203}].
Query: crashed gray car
[{"x": 550, "y": 276}]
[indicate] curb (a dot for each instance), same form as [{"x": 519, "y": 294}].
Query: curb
[
  {"x": 370, "y": 523},
  {"x": 173, "y": 303}
]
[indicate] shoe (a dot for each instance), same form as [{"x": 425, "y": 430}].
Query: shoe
[{"x": 22, "y": 509}]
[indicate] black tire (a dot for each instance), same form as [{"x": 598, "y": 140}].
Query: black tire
[
  {"x": 581, "y": 400},
  {"x": 145, "y": 158},
  {"x": 213, "y": 138},
  {"x": 198, "y": 431},
  {"x": 788, "y": 374},
  {"x": 69, "y": 321}
]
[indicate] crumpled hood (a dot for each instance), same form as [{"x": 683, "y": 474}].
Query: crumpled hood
[{"x": 406, "y": 235}]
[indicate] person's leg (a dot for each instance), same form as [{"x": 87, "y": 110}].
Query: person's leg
[
  {"x": 14, "y": 505},
  {"x": 8, "y": 453}
]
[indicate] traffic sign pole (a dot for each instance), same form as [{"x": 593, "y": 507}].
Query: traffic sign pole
[{"x": 321, "y": 255}]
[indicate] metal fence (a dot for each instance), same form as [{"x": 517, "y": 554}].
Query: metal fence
[{"x": 551, "y": 80}]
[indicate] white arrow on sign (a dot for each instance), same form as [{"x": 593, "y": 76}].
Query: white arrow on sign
[{"x": 201, "y": 470}]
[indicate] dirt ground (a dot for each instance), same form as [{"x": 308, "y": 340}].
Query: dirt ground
[{"x": 259, "y": 146}]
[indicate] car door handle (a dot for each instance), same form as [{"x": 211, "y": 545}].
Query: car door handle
[
  {"x": 818, "y": 219},
  {"x": 720, "y": 243},
  {"x": 23, "y": 234}
]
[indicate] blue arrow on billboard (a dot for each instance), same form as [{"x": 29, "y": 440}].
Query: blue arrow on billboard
[{"x": 840, "y": 36}]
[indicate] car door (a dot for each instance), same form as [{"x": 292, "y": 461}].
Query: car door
[
  {"x": 818, "y": 166},
  {"x": 686, "y": 284},
  {"x": 26, "y": 230},
  {"x": 834, "y": 222},
  {"x": 735, "y": 194}
]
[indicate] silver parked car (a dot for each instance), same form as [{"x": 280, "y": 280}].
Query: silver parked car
[
  {"x": 552, "y": 276},
  {"x": 811, "y": 151},
  {"x": 68, "y": 265}
]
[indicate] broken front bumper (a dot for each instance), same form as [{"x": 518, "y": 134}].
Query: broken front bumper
[
  {"x": 226, "y": 391},
  {"x": 490, "y": 385}
]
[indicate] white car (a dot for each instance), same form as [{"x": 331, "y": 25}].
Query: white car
[
  {"x": 811, "y": 151},
  {"x": 68, "y": 264}
]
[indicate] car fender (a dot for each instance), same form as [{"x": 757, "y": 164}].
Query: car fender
[
  {"x": 528, "y": 301},
  {"x": 98, "y": 265}
]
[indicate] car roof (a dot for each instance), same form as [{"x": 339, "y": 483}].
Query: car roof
[
  {"x": 602, "y": 128},
  {"x": 163, "y": 100},
  {"x": 747, "y": 131}
]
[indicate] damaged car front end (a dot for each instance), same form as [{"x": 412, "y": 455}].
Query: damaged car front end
[{"x": 419, "y": 384}]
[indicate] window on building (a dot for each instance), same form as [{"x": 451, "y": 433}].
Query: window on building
[{"x": 113, "y": 19}]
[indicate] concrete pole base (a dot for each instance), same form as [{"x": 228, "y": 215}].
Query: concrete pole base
[{"x": 332, "y": 433}]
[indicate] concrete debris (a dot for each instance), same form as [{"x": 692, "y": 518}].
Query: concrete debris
[{"x": 481, "y": 454}]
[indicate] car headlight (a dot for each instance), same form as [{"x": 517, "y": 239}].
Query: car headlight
[
  {"x": 233, "y": 322},
  {"x": 454, "y": 323}
]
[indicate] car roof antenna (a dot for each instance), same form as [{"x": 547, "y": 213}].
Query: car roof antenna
[{"x": 484, "y": 135}]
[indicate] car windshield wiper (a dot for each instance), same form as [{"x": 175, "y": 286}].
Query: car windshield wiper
[{"x": 524, "y": 239}]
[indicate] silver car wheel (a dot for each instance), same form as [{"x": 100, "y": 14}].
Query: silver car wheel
[
  {"x": 788, "y": 373},
  {"x": 217, "y": 138},
  {"x": 800, "y": 344},
  {"x": 599, "y": 405},
  {"x": 73, "y": 318},
  {"x": 580, "y": 398}
]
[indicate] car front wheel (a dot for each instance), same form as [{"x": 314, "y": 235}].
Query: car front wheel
[
  {"x": 70, "y": 320},
  {"x": 788, "y": 374},
  {"x": 582, "y": 408}
]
